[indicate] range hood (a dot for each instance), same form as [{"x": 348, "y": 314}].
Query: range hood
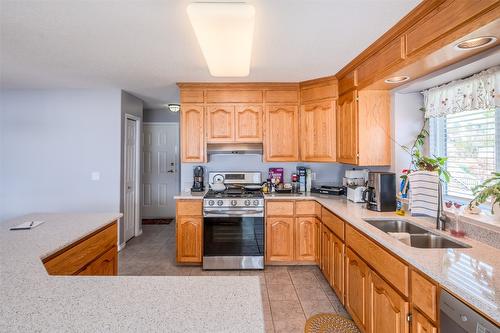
[{"x": 234, "y": 148}]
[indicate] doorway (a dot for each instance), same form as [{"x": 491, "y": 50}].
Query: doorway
[
  {"x": 160, "y": 170},
  {"x": 131, "y": 221}
]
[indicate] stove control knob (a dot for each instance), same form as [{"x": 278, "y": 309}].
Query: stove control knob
[
  {"x": 256, "y": 202},
  {"x": 211, "y": 202},
  {"x": 247, "y": 202},
  {"x": 219, "y": 202},
  {"x": 233, "y": 202}
]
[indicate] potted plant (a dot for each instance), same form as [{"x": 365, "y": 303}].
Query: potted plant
[{"x": 489, "y": 189}]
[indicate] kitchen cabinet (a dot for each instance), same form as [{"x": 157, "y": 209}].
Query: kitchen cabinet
[
  {"x": 317, "y": 132},
  {"x": 189, "y": 231},
  {"x": 92, "y": 255},
  {"x": 420, "y": 324},
  {"x": 337, "y": 266},
  {"x": 305, "y": 238},
  {"x": 424, "y": 295},
  {"x": 356, "y": 291},
  {"x": 220, "y": 123},
  {"x": 388, "y": 311},
  {"x": 280, "y": 239},
  {"x": 363, "y": 128},
  {"x": 281, "y": 133},
  {"x": 326, "y": 256},
  {"x": 248, "y": 123},
  {"x": 192, "y": 127}
]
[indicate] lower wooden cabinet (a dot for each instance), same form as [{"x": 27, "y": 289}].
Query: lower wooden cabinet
[
  {"x": 388, "y": 311},
  {"x": 356, "y": 291},
  {"x": 305, "y": 238},
  {"x": 420, "y": 324},
  {"x": 279, "y": 239},
  {"x": 189, "y": 239},
  {"x": 92, "y": 255},
  {"x": 107, "y": 264},
  {"x": 326, "y": 252},
  {"x": 337, "y": 267}
]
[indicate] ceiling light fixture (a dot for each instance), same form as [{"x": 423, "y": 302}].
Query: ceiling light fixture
[
  {"x": 225, "y": 34},
  {"x": 475, "y": 43},
  {"x": 173, "y": 107},
  {"x": 397, "y": 79}
]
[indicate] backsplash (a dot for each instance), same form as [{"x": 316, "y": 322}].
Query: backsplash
[{"x": 325, "y": 173}]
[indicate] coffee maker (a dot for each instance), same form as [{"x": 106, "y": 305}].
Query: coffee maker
[
  {"x": 198, "y": 185},
  {"x": 380, "y": 194}
]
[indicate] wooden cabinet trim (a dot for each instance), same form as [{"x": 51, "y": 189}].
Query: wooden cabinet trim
[
  {"x": 189, "y": 207},
  {"x": 305, "y": 207},
  {"x": 333, "y": 222},
  {"x": 233, "y": 96},
  {"x": 191, "y": 96},
  {"x": 280, "y": 208},
  {"x": 388, "y": 265},
  {"x": 95, "y": 268},
  {"x": 281, "y": 96}
]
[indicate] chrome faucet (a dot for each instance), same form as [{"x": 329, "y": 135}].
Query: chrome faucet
[{"x": 441, "y": 218}]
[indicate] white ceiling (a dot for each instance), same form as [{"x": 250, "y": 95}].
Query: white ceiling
[{"x": 145, "y": 47}]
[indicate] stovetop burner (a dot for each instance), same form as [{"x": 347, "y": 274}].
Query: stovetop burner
[{"x": 233, "y": 193}]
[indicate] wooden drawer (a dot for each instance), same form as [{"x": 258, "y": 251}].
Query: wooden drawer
[
  {"x": 189, "y": 207},
  {"x": 424, "y": 295},
  {"x": 233, "y": 96},
  {"x": 105, "y": 265},
  {"x": 282, "y": 96},
  {"x": 393, "y": 270},
  {"x": 279, "y": 208},
  {"x": 333, "y": 222},
  {"x": 306, "y": 208},
  {"x": 72, "y": 259}
]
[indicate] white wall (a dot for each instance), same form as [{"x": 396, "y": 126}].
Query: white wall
[{"x": 50, "y": 143}]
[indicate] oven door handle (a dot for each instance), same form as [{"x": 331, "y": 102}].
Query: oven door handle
[{"x": 233, "y": 213}]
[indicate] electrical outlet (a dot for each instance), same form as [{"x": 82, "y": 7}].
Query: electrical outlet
[{"x": 95, "y": 175}]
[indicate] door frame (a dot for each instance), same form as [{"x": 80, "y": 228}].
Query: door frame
[
  {"x": 177, "y": 148},
  {"x": 137, "y": 201}
]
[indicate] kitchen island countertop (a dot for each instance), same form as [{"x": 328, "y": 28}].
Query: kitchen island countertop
[{"x": 33, "y": 301}]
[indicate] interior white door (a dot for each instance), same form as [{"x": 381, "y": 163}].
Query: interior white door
[
  {"x": 160, "y": 177},
  {"x": 129, "y": 209}
]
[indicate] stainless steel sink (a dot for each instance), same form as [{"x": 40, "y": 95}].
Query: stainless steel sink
[{"x": 419, "y": 237}]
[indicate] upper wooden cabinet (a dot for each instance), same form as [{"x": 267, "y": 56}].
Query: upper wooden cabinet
[
  {"x": 317, "y": 132},
  {"x": 248, "y": 123},
  {"x": 363, "y": 128},
  {"x": 220, "y": 123},
  {"x": 281, "y": 133},
  {"x": 192, "y": 133}
]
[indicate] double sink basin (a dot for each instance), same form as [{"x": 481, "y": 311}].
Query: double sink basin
[{"x": 414, "y": 235}]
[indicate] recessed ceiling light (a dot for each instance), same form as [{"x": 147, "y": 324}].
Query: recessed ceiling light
[
  {"x": 475, "y": 43},
  {"x": 397, "y": 79},
  {"x": 225, "y": 33},
  {"x": 173, "y": 107}
]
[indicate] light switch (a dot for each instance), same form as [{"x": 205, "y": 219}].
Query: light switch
[{"x": 95, "y": 175}]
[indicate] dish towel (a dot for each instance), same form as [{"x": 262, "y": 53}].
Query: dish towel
[{"x": 424, "y": 193}]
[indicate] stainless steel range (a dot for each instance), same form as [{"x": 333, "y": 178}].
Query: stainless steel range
[{"x": 233, "y": 221}]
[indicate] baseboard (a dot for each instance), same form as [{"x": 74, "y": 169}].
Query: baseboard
[
  {"x": 138, "y": 234},
  {"x": 121, "y": 246}
]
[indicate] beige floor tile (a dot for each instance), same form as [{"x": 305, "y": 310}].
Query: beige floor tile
[
  {"x": 292, "y": 325},
  {"x": 303, "y": 277},
  {"x": 283, "y": 310},
  {"x": 313, "y": 307},
  {"x": 269, "y": 326},
  {"x": 281, "y": 292},
  {"x": 308, "y": 292},
  {"x": 278, "y": 277}
]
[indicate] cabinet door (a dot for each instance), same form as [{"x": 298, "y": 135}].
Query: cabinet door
[
  {"x": 248, "y": 123},
  {"x": 420, "y": 324},
  {"x": 281, "y": 133},
  {"x": 337, "y": 272},
  {"x": 279, "y": 239},
  {"x": 347, "y": 128},
  {"x": 189, "y": 238},
  {"x": 325, "y": 261},
  {"x": 305, "y": 238},
  {"x": 220, "y": 123},
  {"x": 192, "y": 133},
  {"x": 317, "y": 132},
  {"x": 356, "y": 292},
  {"x": 106, "y": 264},
  {"x": 388, "y": 311},
  {"x": 317, "y": 229}
]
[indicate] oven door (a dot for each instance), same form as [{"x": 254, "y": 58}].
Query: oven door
[{"x": 233, "y": 242}]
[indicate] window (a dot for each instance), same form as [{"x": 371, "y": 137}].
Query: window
[{"x": 471, "y": 141}]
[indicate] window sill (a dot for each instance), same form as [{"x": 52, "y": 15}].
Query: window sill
[{"x": 484, "y": 219}]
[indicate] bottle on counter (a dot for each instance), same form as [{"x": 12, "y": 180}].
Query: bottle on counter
[{"x": 295, "y": 183}]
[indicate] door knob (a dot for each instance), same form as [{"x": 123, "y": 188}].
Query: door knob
[{"x": 171, "y": 171}]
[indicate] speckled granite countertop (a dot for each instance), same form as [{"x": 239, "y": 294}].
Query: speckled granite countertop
[
  {"x": 190, "y": 195},
  {"x": 473, "y": 273},
  {"x": 33, "y": 301}
]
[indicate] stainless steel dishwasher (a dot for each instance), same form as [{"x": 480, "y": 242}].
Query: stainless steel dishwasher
[{"x": 457, "y": 317}]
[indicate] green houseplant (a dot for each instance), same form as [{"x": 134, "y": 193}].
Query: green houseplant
[{"x": 489, "y": 189}]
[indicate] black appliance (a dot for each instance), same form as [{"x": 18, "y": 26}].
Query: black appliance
[
  {"x": 330, "y": 190},
  {"x": 380, "y": 194},
  {"x": 198, "y": 180},
  {"x": 233, "y": 223}
]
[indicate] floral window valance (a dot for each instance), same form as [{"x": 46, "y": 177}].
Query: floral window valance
[{"x": 473, "y": 93}]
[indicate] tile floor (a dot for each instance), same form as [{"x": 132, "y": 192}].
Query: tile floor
[{"x": 290, "y": 294}]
